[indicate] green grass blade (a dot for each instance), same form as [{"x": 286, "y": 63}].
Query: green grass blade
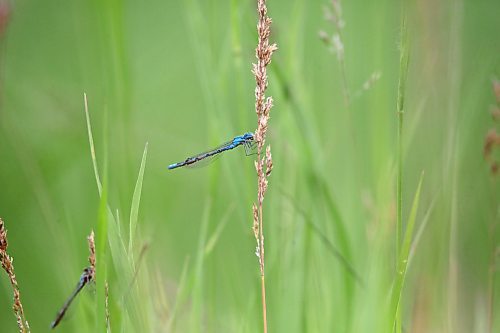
[
  {"x": 136, "y": 199},
  {"x": 402, "y": 266},
  {"x": 421, "y": 228},
  {"x": 91, "y": 143}
]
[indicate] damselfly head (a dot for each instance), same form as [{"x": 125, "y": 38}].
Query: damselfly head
[{"x": 248, "y": 136}]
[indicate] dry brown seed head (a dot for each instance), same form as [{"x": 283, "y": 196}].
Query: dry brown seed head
[
  {"x": 92, "y": 260},
  {"x": 255, "y": 226},
  {"x": 3, "y": 237},
  {"x": 269, "y": 161},
  {"x": 91, "y": 242}
]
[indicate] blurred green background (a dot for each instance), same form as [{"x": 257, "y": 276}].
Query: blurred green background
[{"x": 176, "y": 74}]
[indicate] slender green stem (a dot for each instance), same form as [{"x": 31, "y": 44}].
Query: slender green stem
[
  {"x": 399, "y": 220},
  {"x": 403, "y": 70},
  {"x": 399, "y": 192}
]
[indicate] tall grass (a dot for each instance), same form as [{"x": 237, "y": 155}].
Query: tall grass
[
  {"x": 110, "y": 236},
  {"x": 177, "y": 75}
]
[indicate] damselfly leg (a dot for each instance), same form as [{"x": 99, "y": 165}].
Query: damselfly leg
[{"x": 250, "y": 147}]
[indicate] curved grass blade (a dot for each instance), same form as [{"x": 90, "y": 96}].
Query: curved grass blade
[
  {"x": 136, "y": 200},
  {"x": 398, "y": 285},
  {"x": 91, "y": 144}
]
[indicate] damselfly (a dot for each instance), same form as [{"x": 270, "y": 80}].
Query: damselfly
[
  {"x": 246, "y": 140},
  {"x": 85, "y": 278}
]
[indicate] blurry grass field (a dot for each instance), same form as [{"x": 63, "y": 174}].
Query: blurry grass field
[{"x": 165, "y": 79}]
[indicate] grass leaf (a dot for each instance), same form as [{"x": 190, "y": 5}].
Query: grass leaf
[
  {"x": 91, "y": 144},
  {"x": 136, "y": 199},
  {"x": 402, "y": 266}
]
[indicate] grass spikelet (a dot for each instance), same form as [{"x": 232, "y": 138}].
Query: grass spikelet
[{"x": 91, "y": 242}]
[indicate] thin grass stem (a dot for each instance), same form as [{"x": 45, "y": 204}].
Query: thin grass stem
[{"x": 403, "y": 70}]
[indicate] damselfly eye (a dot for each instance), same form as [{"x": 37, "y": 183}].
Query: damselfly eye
[{"x": 248, "y": 136}]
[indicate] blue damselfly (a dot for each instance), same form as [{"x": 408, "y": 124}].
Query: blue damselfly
[{"x": 246, "y": 140}]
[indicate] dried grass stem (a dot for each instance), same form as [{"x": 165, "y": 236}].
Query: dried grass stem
[{"x": 263, "y": 164}]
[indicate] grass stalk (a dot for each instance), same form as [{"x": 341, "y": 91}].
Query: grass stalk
[
  {"x": 403, "y": 71},
  {"x": 264, "y": 163},
  {"x": 262, "y": 272}
]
